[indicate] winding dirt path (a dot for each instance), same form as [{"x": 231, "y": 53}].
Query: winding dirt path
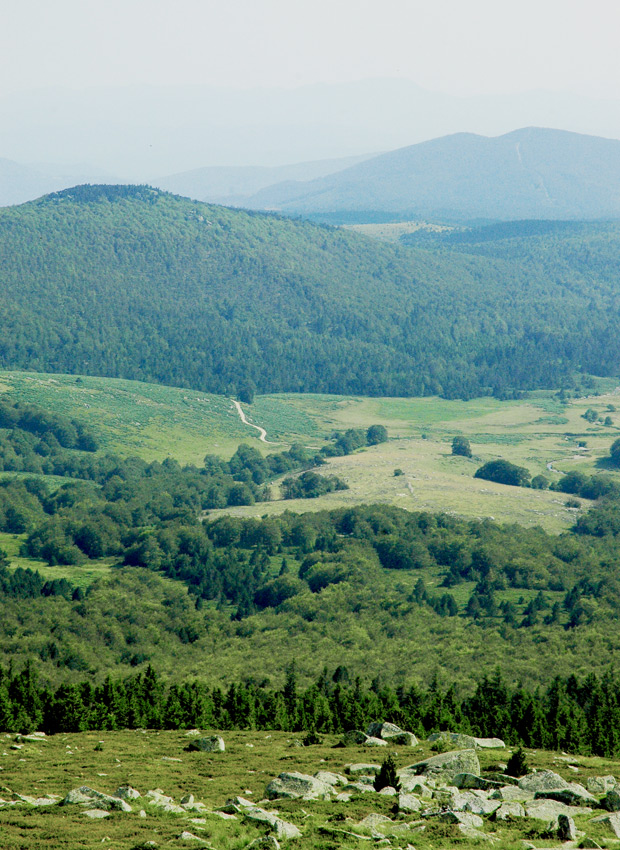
[{"x": 262, "y": 432}]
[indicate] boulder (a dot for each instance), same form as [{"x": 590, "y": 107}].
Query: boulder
[
  {"x": 454, "y": 740},
  {"x": 383, "y": 730},
  {"x": 330, "y": 778},
  {"x": 126, "y": 792},
  {"x": 408, "y": 803},
  {"x": 189, "y": 836},
  {"x": 566, "y": 828},
  {"x": 86, "y": 796},
  {"x": 361, "y": 787},
  {"x": 282, "y": 828},
  {"x": 574, "y": 795},
  {"x": 470, "y": 780},
  {"x": 542, "y": 780},
  {"x": 96, "y": 814},
  {"x": 480, "y": 805},
  {"x": 444, "y": 767},
  {"x": 489, "y": 743},
  {"x": 374, "y": 820},
  {"x": 550, "y": 810},
  {"x": 509, "y": 810},
  {"x": 393, "y": 734},
  {"x": 354, "y": 737},
  {"x": 353, "y": 769},
  {"x": 466, "y": 818},
  {"x": 212, "y": 744},
  {"x": 511, "y": 794},
  {"x": 50, "y": 800},
  {"x": 298, "y": 785},
  {"x": 600, "y": 785},
  {"x": 612, "y": 821},
  {"x": 267, "y": 842},
  {"x": 502, "y": 778}
]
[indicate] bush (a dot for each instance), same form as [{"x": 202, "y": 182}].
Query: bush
[
  {"x": 387, "y": 777},
  {"x": 504, "y": 472},
  {"x": 460, "y": 446},
  {"x": 517, "y": 764}
]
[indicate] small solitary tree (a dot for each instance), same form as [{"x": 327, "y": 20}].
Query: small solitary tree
[
  {"x": 387, "y": 776},
  {"x": 460, "y": 446},
  {"x": 517, "y": 764}
]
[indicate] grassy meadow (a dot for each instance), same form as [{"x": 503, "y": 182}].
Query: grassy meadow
[
  {"x": 541, "y": 433},
  {"x": 149, "y": 760}
]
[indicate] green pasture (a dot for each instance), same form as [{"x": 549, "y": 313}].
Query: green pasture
[
  {"x": 149, "y": 760},
  {"x": 541, "y": 433}
]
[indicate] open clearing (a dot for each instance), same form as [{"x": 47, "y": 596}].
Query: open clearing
[{"x": 541, "y": 433}]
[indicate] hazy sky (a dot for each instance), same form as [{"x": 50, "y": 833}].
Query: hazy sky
[{"x": 454, "y": 46}]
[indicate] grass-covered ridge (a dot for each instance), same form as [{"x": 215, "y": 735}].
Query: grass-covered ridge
[{"x": 134, "y": 283}]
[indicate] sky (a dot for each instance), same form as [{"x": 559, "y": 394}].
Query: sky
[{"x": 461, "y": 47}]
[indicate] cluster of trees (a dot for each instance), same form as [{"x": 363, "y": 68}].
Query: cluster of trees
[
  {"x": 310, "y": 485},
  {"x": 578, "y": 716},
  {"x": 130, "y": 282}
]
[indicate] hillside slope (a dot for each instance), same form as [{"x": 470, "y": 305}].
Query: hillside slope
[
  {"x": 126, "y": 281},
  {"x": 529, "y": 173}
]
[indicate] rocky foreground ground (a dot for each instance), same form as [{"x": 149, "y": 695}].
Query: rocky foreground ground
[{"x": 456, "y": 792}]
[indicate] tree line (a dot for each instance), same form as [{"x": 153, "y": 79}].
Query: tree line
[{"x": 579, "y": 716}]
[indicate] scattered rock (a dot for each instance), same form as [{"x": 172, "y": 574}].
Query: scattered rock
[
  {"x": 96, "y": 814},
  {"x": 445, "y": 767},
  {"x": 509, "y": 810},
  {"x": 388, "y": 791},
  {"x": 330, "y": 778},
  {"x": 489, "y": 743},
  {"x": 50, "y": 800},
  {"x": 466, "y": 818},
  {"x": 512, "y": 793},
  {"x": 612, "y": 821},
  {"x": 574, "y": 795},
  {"x": 283, "y": 828},
  {"x": 393, "y": 734},
  {"x": 612, "y": 801},
  {"x": 470, "y": 780},
  {"x": 566, "y": 828},
  {"x": 212, "y": 744},
  {"x": 267, "y": 842},
  {"x": 353, "y": 769},
  {"x": 372, "y": 821},
  {"x": 189, "y": 836},
  {"x": 549, "y": 810},
  {"x": 298, "y": 785},
  {"x": 87, "y": 796},
  {"x": 600, "y": 784},
  {"x": 408, "y": 803},
  {"x": 126, "y": 792},
  {"x": 542, "y": 780}
]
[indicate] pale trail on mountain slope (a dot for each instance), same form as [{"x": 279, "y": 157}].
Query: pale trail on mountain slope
[{"x": 263, "y": 433}]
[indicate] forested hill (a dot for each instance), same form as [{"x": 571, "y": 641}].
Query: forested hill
[{"x": 130, "y": 282}]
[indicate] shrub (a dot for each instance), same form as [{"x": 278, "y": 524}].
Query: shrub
[
  {"x": 517, "y": 764},
  {"x": 387, "y": 776},
  {"x": 460, "y": 446},
  {"x": 504, "y": 472}
]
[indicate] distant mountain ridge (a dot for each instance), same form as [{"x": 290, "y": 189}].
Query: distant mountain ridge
[
  {"x": 230, "y": 185},
  {"x": 528, "y": 173}
]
